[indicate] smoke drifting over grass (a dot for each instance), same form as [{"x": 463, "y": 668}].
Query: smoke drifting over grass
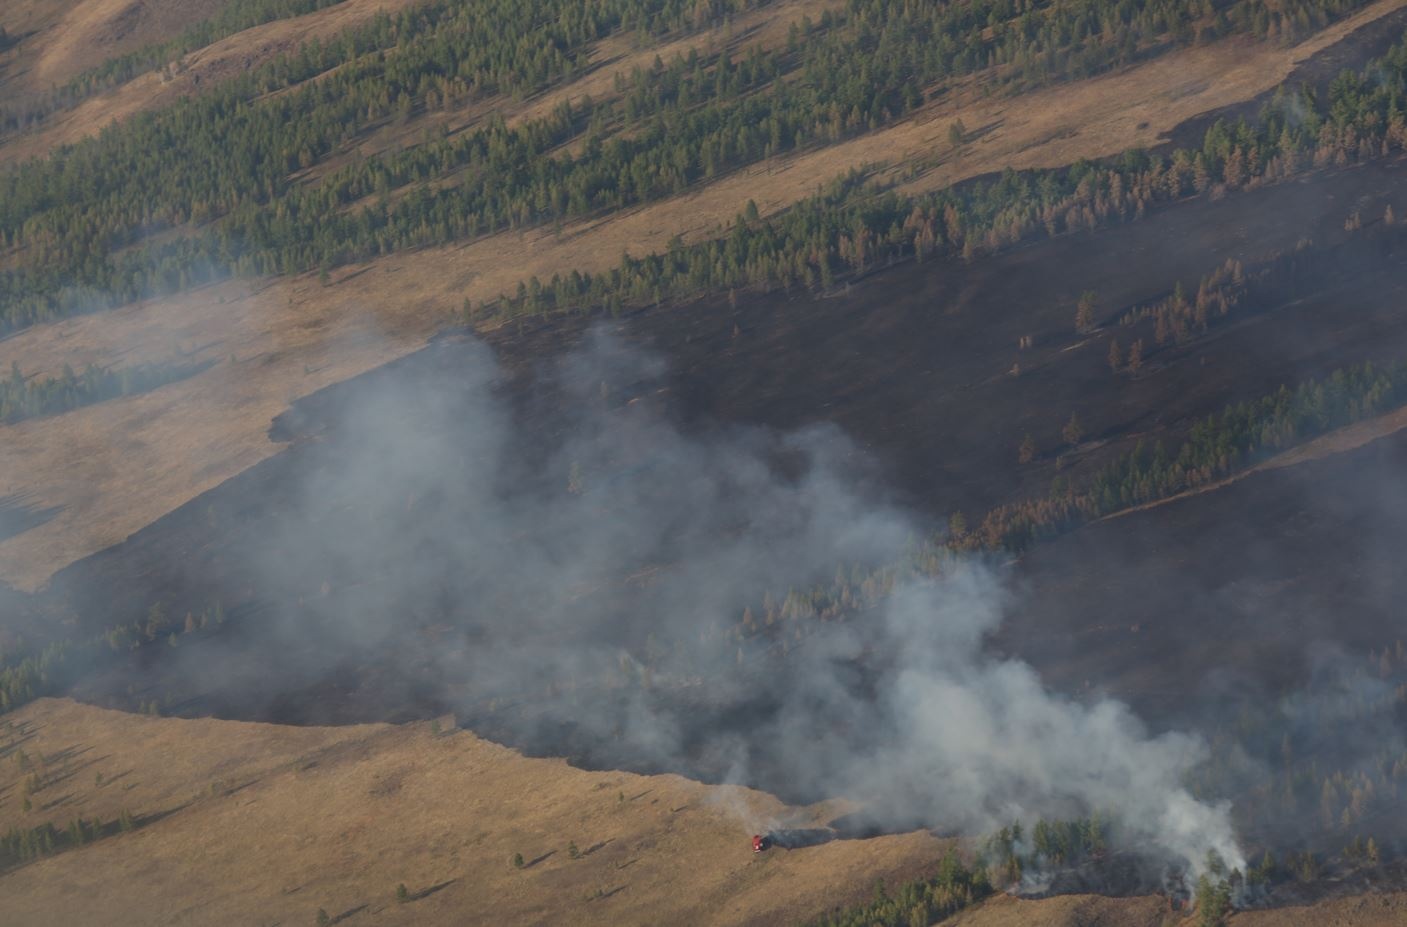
[{"x": 573, "y": 588}]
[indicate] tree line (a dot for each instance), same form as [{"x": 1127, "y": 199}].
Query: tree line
[
  {"x": 237, "y": 147},
  {"x": 234, "y": 16},
  {"x": 921, "y": 901},
  {"x": 28, "y": 674},
  {"x": 21, "y": 845},
  {"x": 853, "y": 227},
  {"x": 1215, "y": 447},
  {"x": 81, "y": 219},
  {"x": 1218, "y": 445},
  {"x": 24, "y": 397},
  {"x": 1183, "y": 315}
]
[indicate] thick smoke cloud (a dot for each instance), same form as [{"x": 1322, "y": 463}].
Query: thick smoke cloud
[{"x": 571, "y": 586}]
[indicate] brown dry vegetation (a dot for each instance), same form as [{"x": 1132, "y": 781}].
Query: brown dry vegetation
[
  {"x": 241, "y": 823},
  {"x": 309, "y": 818},
  {"x": 268, "y": 824},
  {"x": 146, "y": 455},
  {"x": 203, "y": 67},
  {"x": 63, "y": 39}
]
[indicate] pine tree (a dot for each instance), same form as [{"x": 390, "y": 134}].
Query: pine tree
[
  {"x": 1084, "y": 312},
  {"x": 1073, "y": 430},
  {"x": 1136, "y": 356}
]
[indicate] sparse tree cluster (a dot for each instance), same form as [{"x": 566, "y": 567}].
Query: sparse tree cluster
[
  {"x": 22, "y": 845},
  {"x": 923, "y": 901},
  {"x": 1214, "y": 447},
  {"x": 27, "y": 397}
]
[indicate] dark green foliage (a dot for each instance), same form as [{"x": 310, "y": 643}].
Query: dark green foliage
[
  {"x": 922, "y": 901},
  {"x": 18, "y": 846},
  {"x": 1248, "y": 431},
  {"x": 31, "y": 677},
  {"x": 231, "y": 151},
  {"x": 1007, "y": 853},
  {"x": 1067, "y": 842},
  {"x": 402, "y": 893},
  {"x": 1213, "y": 900},
  {"x": 234, "y": 16},
  {"x": 233, "y": 154},
  {"x": 50, "y": 670},
  {"x": 22, "y": 397},
  {"x": 854, "y": 227},
  {"x": 1239, "y": 436}
]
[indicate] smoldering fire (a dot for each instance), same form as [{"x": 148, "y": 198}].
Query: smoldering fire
[{"x": 622, "y": 546}]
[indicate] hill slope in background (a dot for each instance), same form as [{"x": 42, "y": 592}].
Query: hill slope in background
[
  {"x": 281, "y": 338},
  {"x": 957, "y": 231}
]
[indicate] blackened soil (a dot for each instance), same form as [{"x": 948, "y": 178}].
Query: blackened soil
[{"x": 1221, "y": 595}]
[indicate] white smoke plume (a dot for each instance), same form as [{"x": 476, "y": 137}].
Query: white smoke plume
[{"x": 571, "y": 588}]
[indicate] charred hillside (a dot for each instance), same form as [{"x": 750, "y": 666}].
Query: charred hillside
[
  {"x": 491, "y": 370},
  {"x": 295, "y": 593}
]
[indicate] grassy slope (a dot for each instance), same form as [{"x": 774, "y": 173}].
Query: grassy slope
[
  {"x": 62, "y": 38},
  {"x": 147, "y": 455},
  {"x": 383, "y": 805},
  {"x": 336, "y": 818},
  {"x": 200, "y": 68}
]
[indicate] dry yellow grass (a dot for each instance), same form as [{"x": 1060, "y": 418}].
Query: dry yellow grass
[
  {"x": 66, "y": 37},
  {"x": 203, "y": 67},
  {"x": 761, "y": 28},
  {"x": 116, "y": 467},
  {"x": 336, "y": 818},
  {"x": 93, "y": 31},
  {"x": 255, "y": 824}
]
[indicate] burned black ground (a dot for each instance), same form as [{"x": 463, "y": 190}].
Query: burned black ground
[{"x": 1182, "y": 610}]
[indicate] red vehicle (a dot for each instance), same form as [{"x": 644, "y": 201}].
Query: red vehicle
[{"x": 759, "y": 843}]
